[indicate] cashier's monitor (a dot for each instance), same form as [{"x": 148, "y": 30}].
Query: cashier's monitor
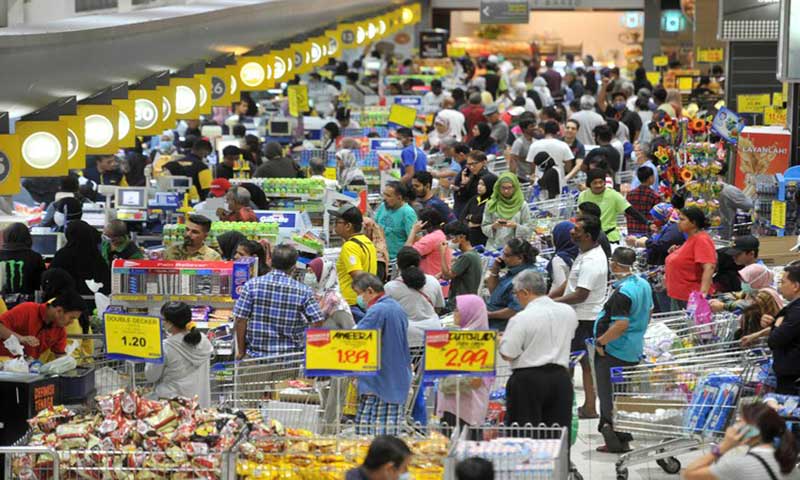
[
  {"x": 173, "y": 184},
  {"x": 133, "y": 197},
  {"x": 279, "y": 128},
  {"x": 47, "y": 244}
]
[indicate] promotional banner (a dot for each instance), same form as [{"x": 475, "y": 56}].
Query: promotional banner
[
  {"x": 454, "y": 352},
  {"x": 342, "y": 352},
  {"x": 133, "y": 337}
]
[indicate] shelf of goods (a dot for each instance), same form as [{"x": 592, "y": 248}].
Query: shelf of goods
[{"x": 173, "y": 233}]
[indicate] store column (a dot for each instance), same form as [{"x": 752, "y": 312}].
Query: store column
[{"x": 652, "y": 33}]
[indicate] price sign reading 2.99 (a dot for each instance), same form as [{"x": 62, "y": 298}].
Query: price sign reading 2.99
[
  {"x": 453, "y": 352},
  {"x": 342, "y": 352},
  {"x": 133, "y": 337}
]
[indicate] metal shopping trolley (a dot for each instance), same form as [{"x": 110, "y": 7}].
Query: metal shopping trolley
[{"x": 679, "y": 405}]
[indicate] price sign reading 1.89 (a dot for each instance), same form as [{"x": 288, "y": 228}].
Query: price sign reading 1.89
[
  {"x": 133, "y": 337},
  {"x": 342, "y": 352},
  {"x": 452, "y": 352}
]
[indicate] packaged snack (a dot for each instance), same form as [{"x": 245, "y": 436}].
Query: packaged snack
[
  {"x": 194, "y": 449},
  {"x": 163, "y": 418}
]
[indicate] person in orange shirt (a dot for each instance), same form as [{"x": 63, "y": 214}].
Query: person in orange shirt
[{"x": 238, "y": 207}]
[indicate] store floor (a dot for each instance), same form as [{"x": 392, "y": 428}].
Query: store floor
[{"x": 600, "y": 466}]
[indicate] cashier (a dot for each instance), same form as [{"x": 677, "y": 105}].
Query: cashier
[
  {"x": 194, "y": 242},
  {"x": 42, "y": 326}
]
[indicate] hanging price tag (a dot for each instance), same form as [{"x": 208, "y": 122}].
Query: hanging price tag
[
  {"x": 453, "y": 352},
  {"x": 660, "y": 61},
  {"x": 298, "y": 99},
  {"x": 778, "y": 217},
  {"x": 133, "y": 337},
  {"x": 342, "y": 352}
]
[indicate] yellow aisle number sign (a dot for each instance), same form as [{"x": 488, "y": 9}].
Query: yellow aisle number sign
[
  {"x": 133, "y": 337},
  {"x": 453, "y": 352},
  {"x": 342, "y": 352}
]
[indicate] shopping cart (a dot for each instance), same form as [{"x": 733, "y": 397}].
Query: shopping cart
[
  {"x": 562, "y": 208},
  {"x": 679, "y": 405},
  {"x": 516, "y": 452}
]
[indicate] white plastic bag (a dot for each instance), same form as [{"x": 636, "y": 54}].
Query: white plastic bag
[
  {"x": 18, "y": 365},
  {"x": 61, "y": 364},
  {"x": 13, "y": 345}
]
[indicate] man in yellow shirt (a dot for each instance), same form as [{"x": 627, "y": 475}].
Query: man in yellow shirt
[
  {"x": 193, "y": 246},
  {"x": 358, "y": 255}
]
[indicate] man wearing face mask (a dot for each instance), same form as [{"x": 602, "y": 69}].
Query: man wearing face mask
[
  {"x": 618, "y": 110},
  {"x": 382, "y": 398},
  {"x": 117, "y": 243},
  {"x": 388, "y": 458},
  {"x": 193, "y": 246},
  {"x": 619, "y": 338},
  {"x": 274, "y": 310},
  {"x": 66, "y": 210},
  {"x": 465, "y": 273}
]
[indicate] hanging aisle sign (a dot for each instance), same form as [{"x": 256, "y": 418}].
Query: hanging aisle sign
[
  {"x": 10, "y": 165},
  {"x": 133, "y": 337},
  {"x": 298, "y": 99},
  {"x": 454, "y": 352},
  {"x": 342, "y": 352}
]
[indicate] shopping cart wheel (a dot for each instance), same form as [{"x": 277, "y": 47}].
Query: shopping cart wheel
[
  {"x": 670, "y": 464},
  {"x": 622, "y": 473},
  {"x": 575, "y": 475}
]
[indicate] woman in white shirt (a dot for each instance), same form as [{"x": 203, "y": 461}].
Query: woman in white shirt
[
  {"x": 419, "y": 294},
  {"x": 771, "y": 453},
  {"x": 566, "y": 251}
]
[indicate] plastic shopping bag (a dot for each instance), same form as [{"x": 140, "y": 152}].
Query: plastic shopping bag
[{"x": 698, "y": 308}]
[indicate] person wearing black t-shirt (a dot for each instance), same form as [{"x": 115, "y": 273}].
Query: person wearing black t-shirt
[
  {"x": 22, "y": 266},
  {"x": 549, "y": 181},
  {"x": 603, "y": 137},
  {"x": 230, "y": 154}
]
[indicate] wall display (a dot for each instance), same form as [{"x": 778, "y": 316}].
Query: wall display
[
  {"x": 43, "y": 148},
  {"x": 504, "y": 12}
]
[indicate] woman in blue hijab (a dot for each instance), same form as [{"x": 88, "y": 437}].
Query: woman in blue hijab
[{"x": 566, "y": 251}]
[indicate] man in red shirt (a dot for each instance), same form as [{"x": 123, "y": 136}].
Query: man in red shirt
[
  {"x": 473, "y": 114},
  {"x": 41, "y": 326},
  {"x": 238, "y": 207}
]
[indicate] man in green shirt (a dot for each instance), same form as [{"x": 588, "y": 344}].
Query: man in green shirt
[
  {"x": 118, "y": 244},
  {"x": 612, "y": 204},
  {"x": 396, "y": 217},
  {"x": 465, "y": 274}
]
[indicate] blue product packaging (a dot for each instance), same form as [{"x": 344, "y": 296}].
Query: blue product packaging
[{"x": 243, "y": 270}]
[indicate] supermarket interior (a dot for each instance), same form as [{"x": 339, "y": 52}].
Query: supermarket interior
[{"x": 399, "y": 239}]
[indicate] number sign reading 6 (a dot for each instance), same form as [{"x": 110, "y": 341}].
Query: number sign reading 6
[
  {"x": 342, "y": 352},
  {"x": 133, "y": 337},
  {"x": 452, "y": 352}
]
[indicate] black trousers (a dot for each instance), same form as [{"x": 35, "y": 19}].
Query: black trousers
[
  {"x": 787, "y": 385},
  {"x": 540, "y": 395},
  {"x": 602, "y": 370}
]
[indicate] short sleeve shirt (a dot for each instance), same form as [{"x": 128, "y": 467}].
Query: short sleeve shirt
[
  {"x": 557, "y": 149},
  {"x": 358, "y": 253},
  {"x": 630, "y": 345},
  {"x": 612, "y": 204},
  {"x": 27, "y": 319},
  {"x": 520, "y": 148},
  {"x": 589, "y": 271},
  {"x": 414, "y": 157},
  {"x": 467, "y": 271},
  {"x": 428, "y": 248},
  {"x": 396, "y": 226},
  {"x": 684, "y": 267}
]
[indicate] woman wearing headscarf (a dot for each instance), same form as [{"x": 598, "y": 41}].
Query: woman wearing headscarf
[
  {"x": 441, "y": 132},
  {"x": 469, "y": 407},
  {"x": 348, "y": 172},
  {"x": 752, "y": 279},
  {"x": 228, "y": 242},
  {"x": 473, "y": 212},
  {"x": 482, "y": 139},
  {"x": 541, "y": 89},
  {"x": 566, "y": 251},
  {"x": 507, "y": 214},
  {"x": 81, "y": 258},
  {"x": 323, "y": 280}
]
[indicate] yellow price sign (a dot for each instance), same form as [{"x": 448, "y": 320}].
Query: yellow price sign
[
  {"x": 710, "y": 55},
  {"x": 774, "y": 115},
  {"x": 330, "y": 173},
  {"x": 133, "y": 337},
  {"x": 753, "y": 103},
  {"x": 777, "y": 99},
  {"x": 685, "y": 84},
  {"x": 402, "y": 115},
  {"x": 342, "y": 352},
  {"x": 660, "y": 61},
  {"x": 778, "y": 217},
  {"x": 654, "y": 77},
  {"x": 298, "y": 99},
  {"x": 452, "y": 352}
]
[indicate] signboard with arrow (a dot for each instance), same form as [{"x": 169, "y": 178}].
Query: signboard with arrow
[{"x": 504, "y": 11}]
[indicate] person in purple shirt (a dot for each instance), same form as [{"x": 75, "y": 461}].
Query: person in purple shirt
[
  {"x": 552, "y": 77},
  {"x": 422, "y": 185}
]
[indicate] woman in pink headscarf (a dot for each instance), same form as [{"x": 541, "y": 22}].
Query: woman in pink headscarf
[{"x": 473, "y": 398}]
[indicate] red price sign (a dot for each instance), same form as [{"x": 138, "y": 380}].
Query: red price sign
[{"x": 451, "y": 352}]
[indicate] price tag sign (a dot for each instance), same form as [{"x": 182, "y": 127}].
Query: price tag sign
[
  {"x": 342, "y": 352},
  {"x": 654, "y": 77},
  {"x": 298, "y": 99},
  {"x": 402, "y": 116},
  {"x": 753, "y": 103},
  {"x": 660, "y": 61},
  {"x": 774, "y": 116},
  {"x": 778, "y": 218},
  {"x": 454, "y": 352},
  {"x": 133, "y": 337},
  {"x": 710, "y": 55}
]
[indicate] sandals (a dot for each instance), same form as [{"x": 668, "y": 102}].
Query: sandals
[{"x": 584, "y": 416}]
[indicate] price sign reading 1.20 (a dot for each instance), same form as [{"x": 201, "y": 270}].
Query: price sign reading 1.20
[
  {"x": 452, "y": 352},
  {"x": 342, "y": 352},
  {"x": 133, "y": 337}
]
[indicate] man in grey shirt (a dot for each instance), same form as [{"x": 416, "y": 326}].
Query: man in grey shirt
[
  {"x": 499, "y": 127},
  {"x": 731, "y": 198},
  {"x": 518, "y": 159},
  {"x": 588, "y": 119}
]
